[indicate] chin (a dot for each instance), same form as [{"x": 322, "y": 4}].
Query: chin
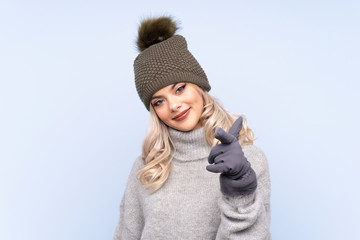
[{"x": 186, "y": 127}]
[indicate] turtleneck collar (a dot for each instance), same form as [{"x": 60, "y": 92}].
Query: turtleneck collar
[{"x": 190, "y": 145}]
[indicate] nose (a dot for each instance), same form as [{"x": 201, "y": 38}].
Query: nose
[{"x": 175, "y": 105}]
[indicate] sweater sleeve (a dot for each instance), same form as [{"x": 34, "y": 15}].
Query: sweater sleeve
[
  {"x": 131, "y": 221},
  {"x": 248, "y": 216}
]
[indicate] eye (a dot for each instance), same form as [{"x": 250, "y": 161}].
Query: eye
[
  {"x": 157, "y": 103},
  {"x": 181, "y": 88}
]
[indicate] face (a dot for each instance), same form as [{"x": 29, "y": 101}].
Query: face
[{"x": 179, "y": 106}]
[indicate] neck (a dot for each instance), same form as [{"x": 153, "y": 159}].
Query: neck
[{"x": 189, "y": 146}]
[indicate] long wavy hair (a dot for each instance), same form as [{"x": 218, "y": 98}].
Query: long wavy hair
[{"x": 157, "y": 144}]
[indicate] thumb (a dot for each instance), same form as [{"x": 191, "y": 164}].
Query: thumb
[
  {"x": 224, "y": 137},
  {"x": 236, "y": 128}
]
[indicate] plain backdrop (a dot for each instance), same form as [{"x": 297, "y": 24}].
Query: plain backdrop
[{"x": 71, "y": 123}]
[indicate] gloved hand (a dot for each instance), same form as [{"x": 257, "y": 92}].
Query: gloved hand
[{"x": 237, "y": 177}]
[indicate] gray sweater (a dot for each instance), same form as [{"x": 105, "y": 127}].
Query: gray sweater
[{"x": 190, "y": 205}]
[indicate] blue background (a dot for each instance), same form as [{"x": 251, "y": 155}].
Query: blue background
[{"x": 71, "y": 122}]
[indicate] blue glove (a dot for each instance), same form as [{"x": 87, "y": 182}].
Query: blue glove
[{"x": 237, "y": 177}]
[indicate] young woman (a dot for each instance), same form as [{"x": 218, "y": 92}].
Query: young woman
[{"x": 173, "y": 191}]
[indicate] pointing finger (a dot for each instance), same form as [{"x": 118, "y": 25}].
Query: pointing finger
[{"x": 236, "y": 128}]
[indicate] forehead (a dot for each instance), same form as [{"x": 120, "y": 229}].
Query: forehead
[{"x": 164, "y": 90}]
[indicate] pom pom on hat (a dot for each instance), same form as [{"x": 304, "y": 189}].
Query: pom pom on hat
[{"x": 155, "y": 30}]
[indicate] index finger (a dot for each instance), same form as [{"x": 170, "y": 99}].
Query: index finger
[{"x": 236, "y": 127}]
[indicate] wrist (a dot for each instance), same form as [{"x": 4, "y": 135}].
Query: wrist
[{"x": 245, "y": 185}]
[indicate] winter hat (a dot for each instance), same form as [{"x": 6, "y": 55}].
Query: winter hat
[{"x": 164, "y": 59}]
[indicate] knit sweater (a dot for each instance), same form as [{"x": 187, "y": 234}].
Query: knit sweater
[{"x": 190, "y": 204}]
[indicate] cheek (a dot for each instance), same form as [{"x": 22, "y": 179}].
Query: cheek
[
  {"x": 162, "y": 114},
  {"x": 198, "y": 101}
]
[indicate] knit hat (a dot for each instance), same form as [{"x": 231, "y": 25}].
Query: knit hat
[{"x": 164, "y": 59}]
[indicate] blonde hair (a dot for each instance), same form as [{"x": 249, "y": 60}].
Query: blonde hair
[{"x": 157, "y": 144}]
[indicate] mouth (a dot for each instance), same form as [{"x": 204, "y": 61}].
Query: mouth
[{"x": 182, "y": 115}]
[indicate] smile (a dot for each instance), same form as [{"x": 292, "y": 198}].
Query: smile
[{"x": 182, "y": 115}]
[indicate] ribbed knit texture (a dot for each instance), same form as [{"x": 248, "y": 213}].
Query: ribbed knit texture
[
  {"x": 190, "y": 204},
  {"x": 166, "y": 63}
]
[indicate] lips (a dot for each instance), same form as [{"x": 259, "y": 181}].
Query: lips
[{"x": 182, "y": 115}]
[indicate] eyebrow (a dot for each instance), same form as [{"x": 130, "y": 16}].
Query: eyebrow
[{"x": 172, "y": 87}]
